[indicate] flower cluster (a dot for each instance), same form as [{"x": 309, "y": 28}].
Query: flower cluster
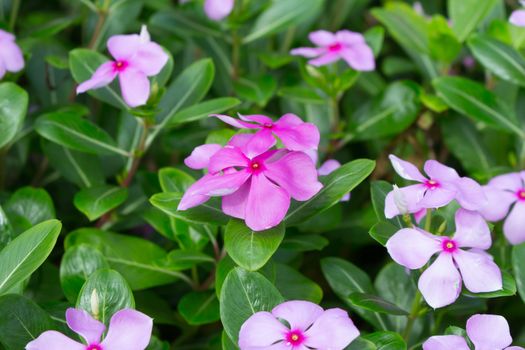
[
  {"x": 136, "y": 59},
  {"x": 11, "y": 58},
  {"x": 485, "y": 331},
  {"x": 249, "y": 174},
  {"x": 308, "y": 327},
  {"x": 128, "y": 329}
]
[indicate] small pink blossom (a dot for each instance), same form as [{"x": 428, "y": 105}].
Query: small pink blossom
[
  {"x": 218, "y": 9},
  {"x": 136, "y": 59},
  {"x": 344, "y": 44},
  {"x": 11, "y": 58},
  {"x": 443, "y": 186},
  {"x": 327, "y": 168},
  {"x": 310, "y": 327},
  {"x": 503, "y": 192},
  {"x": 490, "y": 332},
  {"x": 128, "y": 329},
  {"x": 440, "y": 284},
  {"x": 518, "y": 17}
]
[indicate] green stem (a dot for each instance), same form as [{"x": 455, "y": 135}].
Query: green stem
[
  {"x": 14, "y": 14},
  {"x": 428, "y": 222},
  {"x": 335, "y": 114},
  {"x": 288, "y": 40},
  {"x": 416, "y": 307},
  {"x": 236, "y": 54}
]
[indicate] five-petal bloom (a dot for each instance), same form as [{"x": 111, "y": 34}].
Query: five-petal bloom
[
  {"x": 11, "y": 58},
  {"x": 502, "y": 192},
  {"x": 487, "y": 332},
  {"x": 443, "y": 186},
  {"x": 310, "y": 327},
  {"x": 136, "y": 59},
  {"x": 128, "y": 329},
  {"x": 344, "y": 44},
  {"x": 440, "y": 284}
]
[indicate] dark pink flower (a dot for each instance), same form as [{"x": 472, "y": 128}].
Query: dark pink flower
[
  {"x": 128, "y": 329},
  {"x": 11, "y": 58},
  {"x": 136, "y": 59},
  {"x": 344, "y": 44},
  {"x": 218, "y": 9},
  {"x": 310, "y": 327},
  {"x": 440, "y": 284}
]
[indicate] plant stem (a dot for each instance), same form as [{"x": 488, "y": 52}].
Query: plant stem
[
  {"x": 416, "y": 305},
  {"x": 14, "y": 14},
  {"x": 428, "y": 221},
  {"x": 102, "y": 16},
  {"x": 236, "y": 54}
]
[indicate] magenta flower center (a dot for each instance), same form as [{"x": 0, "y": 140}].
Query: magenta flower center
[
  {"x": 268, "y": 125},
  {"x": 294, "y": 338},
  {"x": 432, "y": 184},
  {"x": 256, "y": 167},
  {"x": 94, "y": 347},
  {"x": 119, "y": 66},
  {"x": 335, "y": 47},
  {"x": 521, "y": 194},
  {"x": 449, "y": 246}
]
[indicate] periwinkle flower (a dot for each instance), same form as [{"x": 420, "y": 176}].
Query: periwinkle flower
[
  {"x": 308, "y": 327},
  {"x": 344, "y": 44},
  {"x": 440, "y": 284},
  {"x": 518, "y": 17},
  {"x": 11, "y": 58},
  {"x": 443, "y": 186},
  {"x": 136, "y": 59},
  {"x": 487, "y": 332},
  {"x": 218, "y": 9},
  {"x": 503, "y": 192},
  {"x": 128, "y": 329}
]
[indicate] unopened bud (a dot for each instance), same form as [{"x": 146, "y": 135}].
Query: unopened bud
[
  {"x": 400, "y": 200},
  {"x": 94, "y": 304}
]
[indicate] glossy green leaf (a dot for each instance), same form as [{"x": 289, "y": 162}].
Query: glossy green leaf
[
  {"x": 303, "y": 243},
  {"x": 199, "y": 308},
  {"x": 387, "y": 340},
  {"x": 518, "y": 257},
  {"x": 104, "y": 293},
  {"x": 465, "y": 15},
  {"x": 186, "y": 259},
  {"x": 96, "y": 201},
  {"x": 184, "y": 23},
  {"x": 29, "y": 206},
  {"x": 203, "y": 110},
  {"x": 23, "y": 255},
  {"x": 251, "y": 249},
  {"x": 378, "y": 191},
  {"x": 361, "y": 344},
  {"x": 258, "y": 90},
  {"x": 295, "y": 286},
  {"x": 375, "y": 304},
  {"x": 13, "y": 109},
  {"x": 301, "y": 94},
  {"x": 174, "y": 180},
  {"x": 382, "y": 231}
]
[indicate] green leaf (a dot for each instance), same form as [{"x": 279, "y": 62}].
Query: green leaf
[
  {"x": 345, "y": 278},
  {"x": 382, "y": 231},
  {"x": 501, "y": 59},
  {"x": 304, "y": 243},
  {"x": 301, "y": 94},
  {"x": 96, "y": 201},
  {"x": 378, "y": 191},
  {"x": 199, "y": 308},
  {"x": 203, "y": 110},
  {"x": 443, "y": 43},
  {"x": 465, "y": 15},
  {"x": 243, "y": 294},
  {"x": 83, "y": 63},
  {"x": 475, "y": 101},
  {"x": 186, "y": 259},
  {"x": 104, "y": 293},
  {"x": 142, "y": 263},
  {"x": 509, "y": 288},
  {"x": 22, "y": 321},
  {"x": 518, "y": 257},
  {"x": 23, "y": 255},
  {"x": 185, "y": 23},
  {"x": 294, "y": 286},
  {"x": 71, "y": 130},
  {"x": 375, "y": 304},
  {"x": 174, "y": 180},
  {"x": 258, "y": 90},
  {"x": 251, "y": 249},
  {"x": 388, "y": 113},
  {"x": 335, "y": 186},
  {"x": 361, "y": 344},
  {"x": 209, "y": 212},
  {"x": 13, "y": 109},
  {"x": 29, "y": 206},
  {"x": 387, "y": 340},
  {"x": 78, "y": 263},
  {"x": 281, "y": 15}
]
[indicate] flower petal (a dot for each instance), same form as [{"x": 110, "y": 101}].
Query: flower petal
[
  {"x": 489, "y": 331},
  {"x": 446, "y": 342},
  {"x": 518, "y": 18},
  {"x": 128, "y": 329},
  {"x": 480, "y": 273},
  {"x": 235, "y": 122},
  {"x": 150, "y": 58},
  {"x": 134, "y": 86},
  {"x": 200, "y": 156},
  {"x": 6, "y": 36},
  {"x": 498, "y": 203},
  {"x": 405, "y": 169},
  {"x": 349, "y": 38},
  {"x": 261, "y": 330},
  {"x": 360, "y": 57},
  {"x": 191, "y": 199},
  {"x": 296, "y": 173},
  {"x": 227, "y": 157},
  {"x": 52, "y": 340},
  {"x": 513, "y": 226},
  {"x": 322, "y": 38},
  {"x": 510, "y": 182},
  {"x": 324, "y": 59},
  {"x": 436, "y": 198},
  {"x": 295, "y": 134},
  {"x": 332, "y": 330},
  {"x": 259, "y": 214},
  {"x": 259, "y": 143},
  {"x": 440, "y": 284},
  {"x": 124, "y": 47},
  {"x": 437, "y": 171},
  {"x": 218, "y": 9},
  {"x": 469, "y": 194},
  {"x": 299, "y": 314},
  {"x": 11, "y": 56},
  {"x": 256, "y": 118},
  {"x": 307, "y": 51},
  {"x": 410, "y": 197},
  {"x": 220, "y": 184},
  {"x": 412, "y": 248},
  {"x": 471, "y": 230},
  {"x": 328, "y": 167},
  {"x": 82, "y": 323},
  {"x": 235, "y": 203},
  {"x": 102, "y": 77}
]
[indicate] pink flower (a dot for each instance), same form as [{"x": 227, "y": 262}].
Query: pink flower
[
  {"x": 443, "y": 186},
  {"x": 136, "y": 59},
  {"x": 11, "y": 58},
  {"x": 310, "y": 327},
  {"x": 255, "y": 186},
  {"x": 518, "y": 17},
  {"x": 485, "y": 331},
  {"x": 503, "y": 192},
  {"x": 440, "y": 284},
  {"x": 327, "y": 168},
  {"x": 344, "y": 44},
  {"x": 128, "y": 329},
  {"x": 295, "y": 134},
  {"x": 218, "y": 9}
]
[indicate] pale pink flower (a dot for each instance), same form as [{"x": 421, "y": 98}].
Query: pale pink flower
[
  {"x": 440, "y": 284},
  {"x": 11, "y": 58},
  {"x": 344, "y": 44},
  {"x": 136, "y": 59},
  {"x": 310, "y": 327},
  {"x": 327, "y": 168},
  {"x": 218, "y": 9},
  {"x": 518, "y": 17}
]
